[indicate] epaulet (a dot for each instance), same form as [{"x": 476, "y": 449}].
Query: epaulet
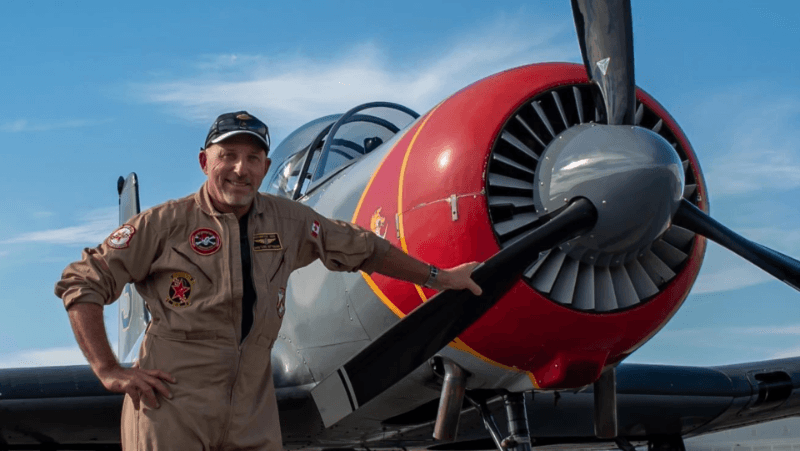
[
  {"x": 169, "y": 206},
  {"x": 286, "y": 208}
]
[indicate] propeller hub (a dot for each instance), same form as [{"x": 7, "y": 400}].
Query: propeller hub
[{"x": 633, "y": 176}]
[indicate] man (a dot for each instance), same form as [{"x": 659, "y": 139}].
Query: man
[{"x": 203, "y": 378}]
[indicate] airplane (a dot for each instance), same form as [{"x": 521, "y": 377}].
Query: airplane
[{"x": 530, "y": 171}]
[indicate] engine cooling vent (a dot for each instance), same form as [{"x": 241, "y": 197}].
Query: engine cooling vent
[{"x": 605, "y": 286}]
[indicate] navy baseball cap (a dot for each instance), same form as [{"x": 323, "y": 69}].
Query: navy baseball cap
[{"x": 240, "y": 122}]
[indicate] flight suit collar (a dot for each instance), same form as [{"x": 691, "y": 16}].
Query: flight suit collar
[{"x": 203, "y": 199}]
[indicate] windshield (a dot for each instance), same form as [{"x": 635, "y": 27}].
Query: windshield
[{"x": 320, "y": 147}]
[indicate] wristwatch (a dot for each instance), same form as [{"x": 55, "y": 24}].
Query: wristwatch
[{"x": 431, "y": 277}]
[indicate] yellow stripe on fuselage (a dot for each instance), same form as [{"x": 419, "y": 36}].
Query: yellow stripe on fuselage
[
  {"x": 457, "y": 343},
  {"x": 402, "y": 178},
  {"x": 382, "y": 296}
]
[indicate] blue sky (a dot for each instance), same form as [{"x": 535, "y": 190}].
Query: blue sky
[{"x": 90, "y": 91}]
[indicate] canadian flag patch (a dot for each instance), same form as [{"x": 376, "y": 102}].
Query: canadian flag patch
[{"x": 315, "y": 229}]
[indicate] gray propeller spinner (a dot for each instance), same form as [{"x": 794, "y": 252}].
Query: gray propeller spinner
[{"x": 632, "y": 175}]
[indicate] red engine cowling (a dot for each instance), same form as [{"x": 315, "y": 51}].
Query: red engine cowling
[{"x": 434, "y": 196}]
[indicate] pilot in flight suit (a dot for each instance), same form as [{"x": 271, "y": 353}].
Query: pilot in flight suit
[{"x": 186, "y": 260}]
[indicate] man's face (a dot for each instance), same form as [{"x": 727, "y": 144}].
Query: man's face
[{"x": 235, "y": 168}]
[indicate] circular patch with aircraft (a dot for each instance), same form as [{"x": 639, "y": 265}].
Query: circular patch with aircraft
[{"x": 205, "y": 241}]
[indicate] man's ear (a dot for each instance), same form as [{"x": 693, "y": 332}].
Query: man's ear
[
  {"x": 267, "y": 162},
  {"x": 203, "y": 158}
]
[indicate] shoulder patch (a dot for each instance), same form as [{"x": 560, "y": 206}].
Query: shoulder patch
[
  {"x": 121, "y": 238},
  {"x": 267, "y": 242},
  {"x": 315, "y": 227},
  {"x": 205, "y": 241}
]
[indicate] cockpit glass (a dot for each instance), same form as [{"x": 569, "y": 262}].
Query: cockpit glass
[
  {"x": 284, "y": 181},
  {"x": 352, "y": 141},
  {"x": 287, "y": 158},
  {"x": 337, "y": 140}
]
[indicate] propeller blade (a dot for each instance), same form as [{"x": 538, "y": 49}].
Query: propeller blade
[
  {"x": 779, "y": 265},
  {"x": 431, "y": 326},
  {"x": 605, "y": 34}
]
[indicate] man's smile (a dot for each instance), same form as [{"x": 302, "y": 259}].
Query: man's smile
[{"x": 242, "y": 184}]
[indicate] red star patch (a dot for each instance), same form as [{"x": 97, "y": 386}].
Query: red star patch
[{"x": 180, "y": 290}]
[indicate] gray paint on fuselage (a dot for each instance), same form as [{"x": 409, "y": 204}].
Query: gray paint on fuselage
[
  {"x": 289, "y": 369},
  {"x": 318, "y": 315},
  {"x": 323, "y": 308},
  {"x": 333, "y": 313},
  {"x": 367, "y": 305}
]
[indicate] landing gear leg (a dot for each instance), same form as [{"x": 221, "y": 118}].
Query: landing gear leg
[
  {"x": 488, "y": 422},
  {"x": 518, "y": 438}
]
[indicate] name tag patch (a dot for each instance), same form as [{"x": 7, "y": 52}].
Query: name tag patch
[{"x": 267, "y": 242}]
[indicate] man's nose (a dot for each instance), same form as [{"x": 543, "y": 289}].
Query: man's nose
[{"x": 238, "y": 167}]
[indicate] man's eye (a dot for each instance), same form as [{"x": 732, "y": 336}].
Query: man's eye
[{"x": 253, "y": 158}]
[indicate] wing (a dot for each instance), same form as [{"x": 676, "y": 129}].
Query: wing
[
  {"x": 68, "y": 408},
  {"x": 656, "y": 404},
  {"x": 56, "y": 405}
]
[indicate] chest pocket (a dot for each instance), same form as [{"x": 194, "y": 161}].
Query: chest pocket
[
  {"x": 191, "y": 265},
  {"x": 269, "y": 254},
  {"x": 271, "y": 263},
  {"x": 180, "y": 281}
]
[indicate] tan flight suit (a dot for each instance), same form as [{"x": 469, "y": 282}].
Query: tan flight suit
[{"x": 185, "y": 260}]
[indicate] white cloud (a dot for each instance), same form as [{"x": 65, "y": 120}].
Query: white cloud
[
  {"x": 771, "y": 330},
  {"x": 720, "y": 345},
  {"x": 96, "y": 226},
  {"x": 294, "y": 90},
  {"x": 24, "y": 125},
  {"x": 16, "y": 126},
  {"x": 786, "y": 353},
  {"x": 786, "y": 241},
  {"x": 741, "y": 274},
  {"x": 754, "y": 141},
  {"x": 59, "y": 356},
  {"x": 725, "y": 271},
  {"x": 739, "y": 331}
]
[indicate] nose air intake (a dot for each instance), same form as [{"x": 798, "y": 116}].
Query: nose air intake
[{"x": 571, "y": 275}]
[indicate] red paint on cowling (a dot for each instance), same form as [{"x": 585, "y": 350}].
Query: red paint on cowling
[
  {"x": 561, "y": 347},
  {"x": 442, "y": 241},
  {"x": 382, "y": 193},
  {"x": 468, "y": 123}
]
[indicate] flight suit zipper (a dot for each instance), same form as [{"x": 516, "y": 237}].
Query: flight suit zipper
[
  {"x": 234, "y": 255},
  {"x": 238, "y": 324}
]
